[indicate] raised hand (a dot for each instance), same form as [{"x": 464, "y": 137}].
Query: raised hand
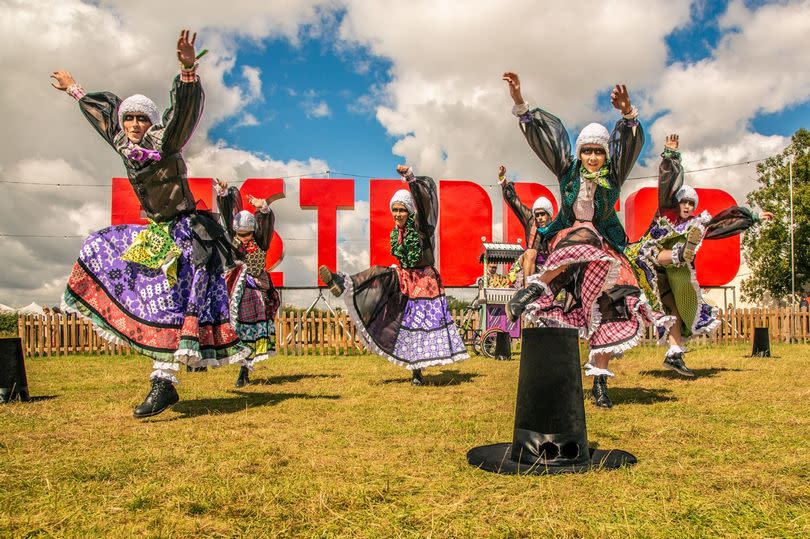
[
  {"x": 513, "y": 81},
  {"x": 402, "y": 169},
  {"x": 256, "y": 202},
  {"x": 502, "y": 175},
  {"x": 672, "y": 142},
  {"x": 223, "y": 185},
  {"x": 64, "y": 80},
  {"x": 766, "y": 216},
  {"x": 185, "y": 49},
  {"x": 620, "y": 99}
]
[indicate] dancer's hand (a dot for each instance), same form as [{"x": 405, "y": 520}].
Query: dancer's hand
[
  {"x": 64, "y": 80},
  {"x": 402, "y": 169},
  {"x": 223, "y": 185},
  {"x": 185, "y": 49},
  {"x": 513, "y": 81},
  {"x": 256, "y": 202},
  {"x": 766, "y": 216},
  {"x": 672, "y": 142},
  {"x": 620, "y": 99},
  {"x": 502, "y": 175}
]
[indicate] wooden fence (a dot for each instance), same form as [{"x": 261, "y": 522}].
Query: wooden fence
[{"x": 327, "y": 334}]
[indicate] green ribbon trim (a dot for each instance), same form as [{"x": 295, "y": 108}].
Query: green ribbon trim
[
  {"x": 154, "y": 248},
  {"x": 410, "y": 250}
]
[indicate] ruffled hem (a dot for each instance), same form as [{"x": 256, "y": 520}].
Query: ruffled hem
[
  {"x": 372, "y": 346},
  {"x": 181, "y": 355}
]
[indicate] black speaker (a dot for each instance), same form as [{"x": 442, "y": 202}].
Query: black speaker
[{"x": 13, "y": 382}]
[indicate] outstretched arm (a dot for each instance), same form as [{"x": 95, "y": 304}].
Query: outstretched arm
[
  {"x": 733, "y": 221},
  {"x": 544, "y": 132},
  {"x": 229, "y": 202},
  {"x": 423, "y": 190},
  {"x": 670, "y": 175},
  {"x": 187, "y": 98},
  {"x": 265, "y": 221},
  {"x": 521, "y": 211},
  {"x": 627, "y": 138},
  {"x": 100, "y": 109}
]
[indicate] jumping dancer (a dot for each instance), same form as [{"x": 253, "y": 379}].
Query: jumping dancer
[
  {"x": 254, "y": 299},
  {"x": 663, "y": 258},
  {"x": 401, "y": 311},
  {"x": 586, "y": 282},
  {"x": 157, "y": 288}
]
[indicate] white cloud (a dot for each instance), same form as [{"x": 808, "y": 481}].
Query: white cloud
[
  {"x": 247, "y": 120},
  {"x": 318, "y": 110}
]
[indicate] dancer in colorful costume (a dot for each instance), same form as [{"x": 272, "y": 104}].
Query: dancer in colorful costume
[
  {"x": 663, "y": 258},
  {"x": 534, "y": 221},
  {"x": 586, "y": 282},
  {"x": 254, "y": 299},
  {"x": 401, "y": 311},
  {"x": 158, "y": 288}
]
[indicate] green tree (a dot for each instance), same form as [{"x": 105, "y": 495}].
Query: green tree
[{"x": 767, "y": 249}]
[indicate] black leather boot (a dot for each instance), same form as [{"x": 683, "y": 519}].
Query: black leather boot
[
  {"x": 600, "y": 394},
  {"x": 417, "y": 377},
  {"x": 675, "y": 363},
  {"x": 332, "y": 280},
  {"x": 524, "y": 296},
  {"x": 244, "y": 376},
  {"x": 161, "y": 396}
]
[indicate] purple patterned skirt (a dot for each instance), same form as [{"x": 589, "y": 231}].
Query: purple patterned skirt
[
  {"x": 401, "y": 315},
  {"x": 132, "y": 304}
]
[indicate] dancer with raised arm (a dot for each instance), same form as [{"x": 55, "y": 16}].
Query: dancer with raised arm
[
  {"x": 400, "y": 311},
  {"x": 254, "y": 299},
  {"x": 663, "y": 258},
  {"x": 534, "y": 221},
  {"x": 586, "y": 282},
  {"x": 158, "y": 288}
]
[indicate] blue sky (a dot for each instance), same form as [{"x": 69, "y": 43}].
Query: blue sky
[{"x": 298, "y": 78}]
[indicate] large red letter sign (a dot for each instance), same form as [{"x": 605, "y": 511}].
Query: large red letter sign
[
  {"x": 718, "y": 261},
  {"x": 527, "y": 193},
  {"x": 465, "y": 215},
  {"x": 327, "y": 196}
]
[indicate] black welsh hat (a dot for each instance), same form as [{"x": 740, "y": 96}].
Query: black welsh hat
[{"x": 550, "y": 435}]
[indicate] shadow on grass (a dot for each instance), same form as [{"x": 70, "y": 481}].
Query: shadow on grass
[
  {"x": 30, "y": 399},
  {"x": 699, "y": 373},
  {"x": 239, "y": 402},
  {"x": 285, "y": 378},
  {"x": 444, "y": 378},
  {"x": 635, "y": 395}
]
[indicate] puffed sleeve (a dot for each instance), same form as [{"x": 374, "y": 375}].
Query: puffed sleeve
[
  {"x": 229, "y": 204},
  {"x": 523, "y": 212},
  {"x": 423, "y": 190},
  {"x": 730, "y": 222},
  {"x": 183, "y": 114},
  {"x": 101, "y": 110},
  {"x": 547, "y": 136},
  {"x": 670, "y": 179},
  {"x": 626, "y": 142},
  {"x": 265, "y": 225}
]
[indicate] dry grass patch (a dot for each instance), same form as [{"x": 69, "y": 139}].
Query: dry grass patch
[{"x": 326, "y": 446}]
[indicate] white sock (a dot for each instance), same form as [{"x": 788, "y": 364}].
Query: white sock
[
  {"x": 674, "y": 349},
  {"x": 165, "y": 371}
]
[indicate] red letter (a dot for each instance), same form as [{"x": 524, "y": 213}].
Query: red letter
[
  {"x": 465, "y": 215},
  {"x": 381, "y": 223},
  {"x": 327, "y": 196},
  {"x": 527, "y": 192},
  {"x": 126, "y": 208}
]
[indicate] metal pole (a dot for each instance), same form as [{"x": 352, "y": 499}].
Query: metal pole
[{"x": 792, "y": 258}]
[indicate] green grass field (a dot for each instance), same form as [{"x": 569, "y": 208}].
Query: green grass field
[{"x": 326, "y": 446}]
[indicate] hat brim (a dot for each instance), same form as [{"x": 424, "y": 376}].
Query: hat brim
[{"x": 496, "y": 458}]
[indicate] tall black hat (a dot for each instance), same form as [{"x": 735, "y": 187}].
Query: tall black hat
[
  {"x": 13, "y": 382},
  {"x": 550, "y": 435}
]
